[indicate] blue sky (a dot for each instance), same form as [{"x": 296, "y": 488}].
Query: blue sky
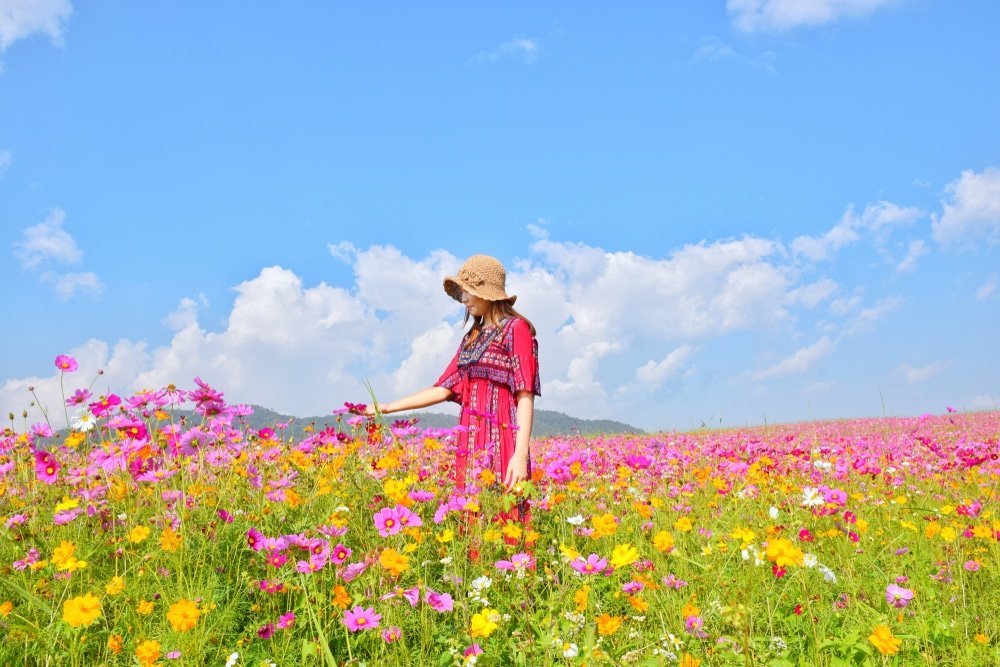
[{"x": 714, "y": 212}]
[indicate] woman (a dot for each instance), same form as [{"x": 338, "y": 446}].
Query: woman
[{"x": 494, "y": 376}]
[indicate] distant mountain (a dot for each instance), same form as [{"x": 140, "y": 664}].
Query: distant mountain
[{"x": 546, "y": 423}]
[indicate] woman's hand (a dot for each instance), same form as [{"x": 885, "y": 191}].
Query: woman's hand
[{"x": 517, "y": 470}]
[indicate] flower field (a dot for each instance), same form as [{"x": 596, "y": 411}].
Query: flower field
[{"x": 137, "y": 536}]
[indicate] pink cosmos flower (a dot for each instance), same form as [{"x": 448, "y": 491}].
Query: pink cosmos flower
[
  {"x": 79, "y": 397},
  {"x": 104, "y": 405},
  {"x": 475, "y": 649},
  {"x": 898, "y": 596},
  {"x": 340, "y": 554},
  {"x": 521, "y": 561},
  {"x": 66, "y": 363},
  {"x": 352, "y": 571},
  {"x": 412, "y": 595},
  {"x": 286, "y": 620},
  {"x": 633, "y": 587},
  {"x": 266, "y": 631},
  {"x": 387, "y": 522},
  {"x": 391, "y": 634},
  {"x": 593, "y": 565},
  {"x": 272, "y": 586},
  {"x": 361, "y": 618},
  {"x": 46, "y": 467},
  {"x": 255, "y": 539},
  {"x": 971, "y": 565},
  {"x": 439, "y": 602},
  {"x": 408, "y": 518}
]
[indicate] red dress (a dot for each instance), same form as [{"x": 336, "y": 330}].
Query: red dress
[{"x": 484, "y": 377}]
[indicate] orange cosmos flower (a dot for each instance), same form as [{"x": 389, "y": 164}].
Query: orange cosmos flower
[{"x": 183, "y": 615}]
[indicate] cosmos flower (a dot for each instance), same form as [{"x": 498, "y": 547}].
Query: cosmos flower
[
  {"x": 361, "y": 618},
  {"x": 66, "y": 363}
]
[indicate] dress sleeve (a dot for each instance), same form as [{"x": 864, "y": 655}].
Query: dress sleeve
[
  {"x": 452, "y": 379},
  {"x": 524, "y": 359}
]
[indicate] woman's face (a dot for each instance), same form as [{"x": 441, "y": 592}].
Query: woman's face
[{"x": 477, "y": 307}]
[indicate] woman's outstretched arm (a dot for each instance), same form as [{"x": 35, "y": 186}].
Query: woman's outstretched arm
[
  {"x": 420, "y": 399},
  {"x": 517, "y": 467}
]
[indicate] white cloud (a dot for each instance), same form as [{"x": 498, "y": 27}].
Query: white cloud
[
  {"x": 519, "y": 48},
  {"x": 973, "y": 213},
  {"x": 781, "y": 15},
  {"x": 22, "y": 18},
  {"x": 47, "y": 242},
  {"x": 655, "y": 373},
  {"x": 813, "y": 294},
  {"x": 866, "y": 319},
  {"x": 878, "y": 220},
  {"x": 988, "y": 289},
  {"x": 186, "y": 313},
  {"x": 712, "y": 50},
  {"x": 913, "y": 375},
  {"x": 5, "y": 159},
  {"x": 801, "y": 361},
  {"x": 915, "y": 251},
  {"x": 68, "y": 285}
]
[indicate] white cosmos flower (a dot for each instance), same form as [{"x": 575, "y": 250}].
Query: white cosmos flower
[
  {"x": 811, "y": 497},
  {"x": 232, "y": 659},
  {"x": 570, "y": 650},
  {"x": 810, "y": 560},
  {"x": 773, "y": 513},
  {"x": 83, "y": 421},
  {"x": 575, "y": 520}
]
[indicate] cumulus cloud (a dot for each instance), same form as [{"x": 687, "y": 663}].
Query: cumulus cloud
[
  {"x": 781, "y": 15},
  {"x": 878, "y": 220},
  {"x": 48, "y": 242},
  {"x": 617, "y": 331},
  {"x": 22, "y": 18},
  {"x": 68, "y": 285},
  {"x": 913, "y": 375},
  {"x": 654, "y": 373},
  {"x": 801, "y": 361},
  {"x": 46, "y": 245},
  {"x": 518, "y": 49},
  {"x": 973, "y": 212}
]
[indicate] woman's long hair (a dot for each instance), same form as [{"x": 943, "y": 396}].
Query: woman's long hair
[{"x": 506, "y": 309}]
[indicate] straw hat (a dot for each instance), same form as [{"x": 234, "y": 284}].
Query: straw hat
[{"x": 481, "y": 276}]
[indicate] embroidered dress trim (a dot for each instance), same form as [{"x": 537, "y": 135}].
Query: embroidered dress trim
[{"x": 473, "y": 353}]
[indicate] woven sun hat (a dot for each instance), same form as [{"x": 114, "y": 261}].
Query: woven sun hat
[{"x": 481, "y": 276}]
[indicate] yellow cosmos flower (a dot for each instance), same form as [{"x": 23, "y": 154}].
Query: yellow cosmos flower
[
  {"x": 603, "y": 525},
  {"x": 580, "y": 598},
  {"x": 82, "y": 610},
  {"x": 340, "y": 597},
  {"x": 683, "y": 524},
  {"x": 689, "y": 610},
  {"x": 623, "y": 555},
  {"x": 948, "y": 534},
  {"x": 393, "y": 561},
  {"x": 183, "y": 615},
  {"x": 689, "y": 661},
  {"x": 6, "y": 608},
  {"x": 145, "y": 607},
  {"x": 638, "y": 603},
  {"x": 608, "y": 625},
  {"x": 782, "y": 552},
  {"x": 492, "y": 535},
  {"x": 664, "y": 542},
  {"x": 115, "y": 644},
  {"x": 148, "y": 652},
  {"x": 138, "y": 534},
  {"x": 568, "y": 552},
  {"x": 115, "y": 586},
  {"x": 484, "y": 623},
  {"x": 445, "y": 537},
  {"x": 170, "y": 540},
  {"x": 511, "y": 531},
  {"x": 883, "y": 639},
  {"x": 67, "y": 504},
  {"x": 932, "y": 529}
]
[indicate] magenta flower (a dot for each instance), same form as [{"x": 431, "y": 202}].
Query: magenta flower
[
  {"x": 340, "y": 554},
  {"x": 46, "y": 467},
  {"x": 66, "y": 363},
  {"x": 387, "y": 522},
  {"x": 633, "y": 587},
  {"x": 276, "y": 559},
  {"x": 412, "y": 595},
  {"x": 898, "y": 596},
  {"x": 266, "y": 631},
  {"x": 272, "y": 586},
  {"x": 79, "y": 397},
  {"x": 439, "y": 602},
  {"x": 521, "y": 561},
  {"x": 360, "y": 618},
  {"x": 971, "y": 565},
  {"x": 286, "y": 620},
  {"x": 391, "y": 634},
  {"x": 255, "y": 539},
  {"x": 592, "y": 565},
  {"x": 104, "y": 405},
  {"x": 352, "y": 571},
  {"x": 408, "y": 518},
  {"x": 475, "y": 649}
]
